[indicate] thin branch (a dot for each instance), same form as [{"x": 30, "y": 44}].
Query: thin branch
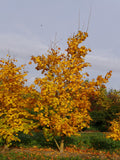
[
  {"x": 79, "y": 20},
  {"x": 57, "y": 144},
  {"x": 89, "y": 17}
]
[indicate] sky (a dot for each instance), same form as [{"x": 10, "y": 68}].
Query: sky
[{"x": 31, "y": 27}]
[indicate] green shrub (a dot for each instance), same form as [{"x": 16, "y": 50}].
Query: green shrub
[
  {"x": 96, "y": 140},
  {"x": 100, "y": 120},
  {"x": 104, "y": 108},
  {"x": 102, "y": 143}
]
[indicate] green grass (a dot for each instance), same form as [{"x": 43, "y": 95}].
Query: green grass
[
  {"x": 22, "y": 156},
  {"x": 29, "y": 156},
  {"x": 96, "y": 140}
]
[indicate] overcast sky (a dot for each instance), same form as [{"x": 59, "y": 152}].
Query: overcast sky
[{"x": 28, "y": 27}]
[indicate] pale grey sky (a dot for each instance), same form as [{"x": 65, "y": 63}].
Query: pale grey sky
[{"x": 28, "y": 27}]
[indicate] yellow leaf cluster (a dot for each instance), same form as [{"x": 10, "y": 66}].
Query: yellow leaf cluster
[
  {"x": 13, "y": 111},
  {"x": 63, "y": 90},
  {"x": 114, "y": 130}
]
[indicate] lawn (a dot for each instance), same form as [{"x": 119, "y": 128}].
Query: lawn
[{"x": 89, "y": 145}]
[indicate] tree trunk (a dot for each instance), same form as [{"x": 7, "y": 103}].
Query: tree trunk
[
  {"x": 6, "y": 148},
  {"x": 62, "y": 145}
]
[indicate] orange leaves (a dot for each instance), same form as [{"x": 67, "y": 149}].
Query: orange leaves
[
  {"x": 30, "y": 62},
  {"x": 114, "y": 130},
  {"x": 73, "y": 45},
  {"x": 100, "y": 80},
  {"x": 108, "y": 75},
  {"x": 63, "y": 90},
  {"x": 63, "y": 103},
  {"x": 36, "y": 109},
  {"x": 13, "y": 116}
]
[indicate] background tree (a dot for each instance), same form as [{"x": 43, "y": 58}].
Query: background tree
[
  {"x": 64, "y": 104},
  {"x": 100, "y": 110},
  {"x": 13, "y": 113},
  {"x": 104, "y": 108},
  {"x": 115, "y": 109},
  {"x": 114, "y": 95}
]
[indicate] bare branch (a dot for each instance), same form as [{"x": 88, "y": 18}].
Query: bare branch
[{"x": 89, "y": 16}]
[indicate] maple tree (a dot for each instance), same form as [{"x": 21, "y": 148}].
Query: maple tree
[
  {"x": 13, "y": 113},
  {"x": 63, "y": 106}
]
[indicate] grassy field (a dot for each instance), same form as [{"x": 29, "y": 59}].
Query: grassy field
[{"x": 89, "y": 145}]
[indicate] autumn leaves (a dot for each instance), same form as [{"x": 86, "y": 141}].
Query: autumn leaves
[
  {"x": 13, "y": 113},
  {"x": 62, "y": 104}
]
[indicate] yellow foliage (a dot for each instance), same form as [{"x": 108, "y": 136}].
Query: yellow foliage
[
  {"x": 114, "y": 130},
  {"x": 13, "y": 111},
  {"x": 64, "y": 91}
]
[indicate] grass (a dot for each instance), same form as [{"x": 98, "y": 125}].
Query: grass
[
  {"x": 96, "y": 140},
  {"x": 88, "y": 145},
  {"x": 30, "y": 156},
  {"x": 22, "y": 156}
]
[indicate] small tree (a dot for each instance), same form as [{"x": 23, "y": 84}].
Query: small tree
[
  {"x": 64, "y": 104},
  {"x": 13, "y": 112}
]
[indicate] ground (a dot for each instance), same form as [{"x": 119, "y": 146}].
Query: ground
[{"x": 69, "y": 152}]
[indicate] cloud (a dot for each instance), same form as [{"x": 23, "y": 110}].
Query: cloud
[
  {"x": 103, "y": 60},
  {"x": 20, "y": 45}
]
